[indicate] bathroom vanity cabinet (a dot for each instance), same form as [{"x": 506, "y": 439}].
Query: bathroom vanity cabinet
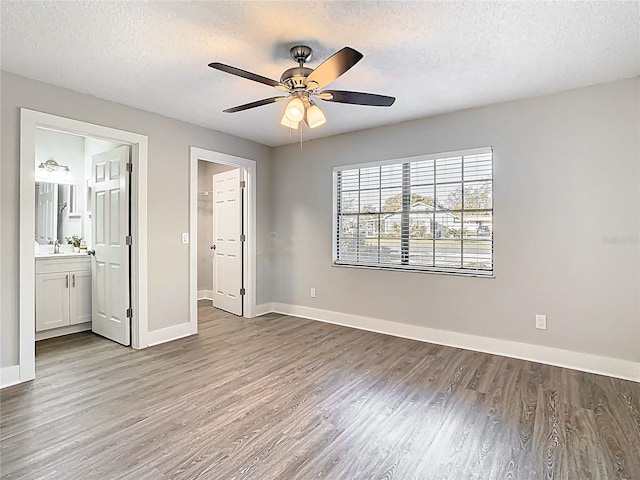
[{"x": 63, "y": 292}]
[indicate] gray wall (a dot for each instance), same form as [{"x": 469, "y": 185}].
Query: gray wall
[
  {"x": 168, "y": 194},
  {"x": 566, "y": 186},
  {"x": 567, "y": 216},
  {"x": 205, "y": 222}
]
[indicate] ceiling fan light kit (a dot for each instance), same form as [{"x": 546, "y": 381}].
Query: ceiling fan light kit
[{"x": 304, "y": 84}]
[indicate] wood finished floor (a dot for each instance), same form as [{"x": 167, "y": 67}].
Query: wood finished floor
[{"x": 285, "y": 398}]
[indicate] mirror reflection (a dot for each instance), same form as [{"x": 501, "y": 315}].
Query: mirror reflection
[{"x": 59, "y": 213}]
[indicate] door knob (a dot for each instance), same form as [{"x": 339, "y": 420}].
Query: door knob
[
  {"x": 212, "y": 247},
  {"x": 91, "y": 252}
]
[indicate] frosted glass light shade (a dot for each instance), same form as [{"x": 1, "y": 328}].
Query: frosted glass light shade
[
  {"x": 288, "y": 123},
  {"x": 315, "y": 117},
  {"x": 295, "y": 110}
]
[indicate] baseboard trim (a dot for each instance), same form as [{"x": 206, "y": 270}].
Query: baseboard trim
[
  {"x": 262, "y": 309},
  {"x": 58, "y": 332},
  {"x": 9, "y": 376},
  {"x": 612, "y": 367},
  {"x": 205, "y": 295},
  {"x": 168, "y": 334}
]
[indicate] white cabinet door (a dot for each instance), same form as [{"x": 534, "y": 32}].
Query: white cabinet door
[
  {"x": 109, "y": 231},
  {"x": 80, "y": 297},
  {"x": 52, "y": 300},
  {"x": 227, "y": 224}
]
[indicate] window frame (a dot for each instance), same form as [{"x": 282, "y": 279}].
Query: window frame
[{"x": 461, "y": 271}]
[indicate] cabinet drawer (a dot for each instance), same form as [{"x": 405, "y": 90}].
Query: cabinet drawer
[{"x": 64, "y": 264}]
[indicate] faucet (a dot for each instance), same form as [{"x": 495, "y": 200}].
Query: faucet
[{"x": 56, "y": 247}]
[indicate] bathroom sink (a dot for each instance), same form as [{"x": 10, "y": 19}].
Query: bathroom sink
[
  {"x": 44, "y": 250},
  {"x": 48, "y": 250}
]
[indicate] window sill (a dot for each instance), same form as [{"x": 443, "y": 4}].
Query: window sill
[{"x": 415, "y": 270}]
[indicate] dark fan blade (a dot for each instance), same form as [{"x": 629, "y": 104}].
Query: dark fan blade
[
  {"x": 334, "y": 66},
  {"x": 359, "y": 98},
  {"x": 244, "y": 74},
  {"x": 247, "y": 106}
]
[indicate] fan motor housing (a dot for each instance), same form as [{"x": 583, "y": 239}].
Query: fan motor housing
[
  {"x": 300, "y": 53},
  {"x": 295, "y": 78}
]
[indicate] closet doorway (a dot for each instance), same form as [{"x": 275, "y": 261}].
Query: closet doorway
[
  {"x": 223, "y": 232},
  {"x": 221, "y": 235}
]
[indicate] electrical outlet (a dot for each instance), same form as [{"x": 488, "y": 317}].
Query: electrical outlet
[
  {"x": 185, "y": 238},
  {"x": 313, "y": 293},
  {"x": 541, "y": 322}
]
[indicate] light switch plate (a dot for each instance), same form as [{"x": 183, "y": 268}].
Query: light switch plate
[{"x": 185, "y": 238}]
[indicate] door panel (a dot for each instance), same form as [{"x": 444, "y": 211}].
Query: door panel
[
  {"x": 227, "y": 262},
  {"x": 110, "y": 264}
]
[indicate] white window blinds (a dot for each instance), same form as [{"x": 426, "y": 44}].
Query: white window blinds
[{"x": 428, "y": 213}]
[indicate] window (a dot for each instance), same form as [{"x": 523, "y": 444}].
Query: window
[{"x": 428, "y": 213}]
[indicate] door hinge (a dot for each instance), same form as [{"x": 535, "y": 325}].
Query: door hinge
[
  {"x": 129, "y": 167},
  {"x": 242, "y": 291},
  {"x": 243, "y": 238},
  {"x": 128, "y": 240},
  {"x": 243, "y": 184},
  {"x": 129, "y": 312}
]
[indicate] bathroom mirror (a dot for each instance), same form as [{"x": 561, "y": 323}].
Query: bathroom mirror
[{"x": 59, "y": 212}]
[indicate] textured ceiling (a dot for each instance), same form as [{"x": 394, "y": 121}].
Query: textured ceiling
[{"x": 434, "y": 57}]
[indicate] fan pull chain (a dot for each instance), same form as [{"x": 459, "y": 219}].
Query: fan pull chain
[{"x": 301, "y": 129}]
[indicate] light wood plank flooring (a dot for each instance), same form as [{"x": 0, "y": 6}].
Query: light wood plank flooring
[{"x": 285, "y": 398}]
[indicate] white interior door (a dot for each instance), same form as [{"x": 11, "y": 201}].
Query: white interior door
[
  {"x": 110, "y": 228},
  {"x": 227, "y": 229}
]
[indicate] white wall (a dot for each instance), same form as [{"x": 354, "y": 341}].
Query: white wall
[
  {"x": 168, "y": 194},
  {"x": 206, "y": 170},
  {"x": 63, "y": 148},
  {"x": 566, "y": 189}
]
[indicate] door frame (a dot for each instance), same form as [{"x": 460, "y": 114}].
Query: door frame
[
  {"x": 249, "y": 214},
  {"x": 30, "y": 120}
]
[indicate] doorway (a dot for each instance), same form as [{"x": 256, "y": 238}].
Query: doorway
[
  {"x": 221, "y": 195},
  {"x": 31, "y": 123},
  {"x": 82, "y": 212},
  {"x": 222, "y": 265}
]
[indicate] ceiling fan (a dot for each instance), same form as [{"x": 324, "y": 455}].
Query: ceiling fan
[{"x": 304, "y": 85}]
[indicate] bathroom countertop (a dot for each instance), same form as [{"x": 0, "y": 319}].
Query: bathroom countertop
[{"x": 40, "y": 256}]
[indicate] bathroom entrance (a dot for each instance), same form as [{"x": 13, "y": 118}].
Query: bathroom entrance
[
  {"x": 88, "y": 244},
  {"x": 82, "y": 235}
]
